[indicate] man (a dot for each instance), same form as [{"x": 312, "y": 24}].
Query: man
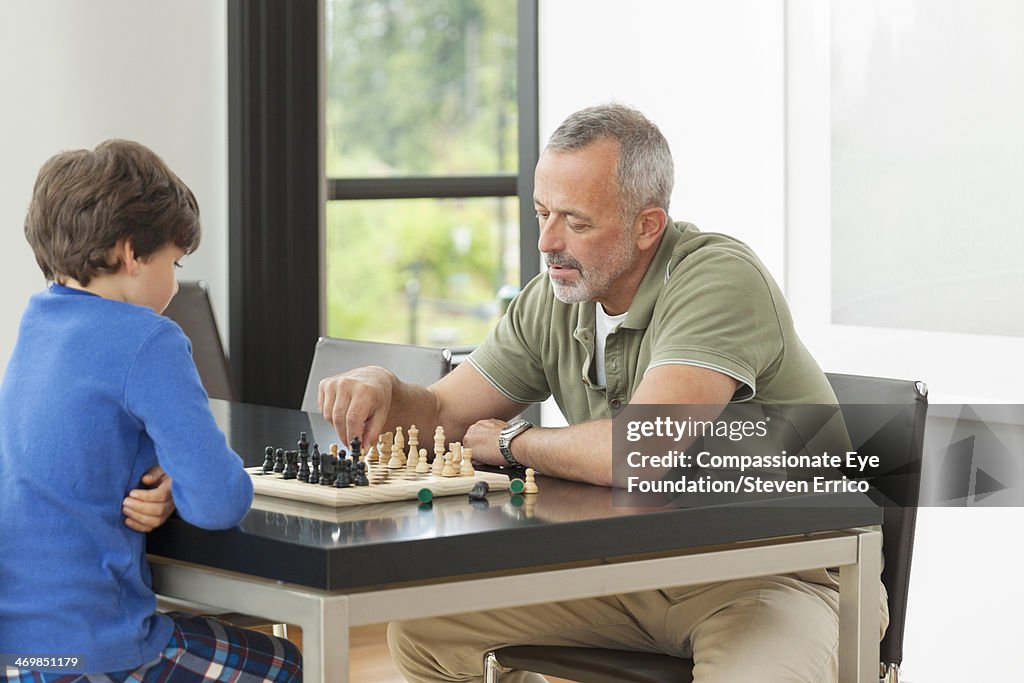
[{"x": 633, "y": 309}]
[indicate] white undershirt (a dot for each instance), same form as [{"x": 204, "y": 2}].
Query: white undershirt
[{"x": 606, "y": 324}]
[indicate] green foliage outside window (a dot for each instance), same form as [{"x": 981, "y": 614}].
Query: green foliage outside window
[{"x": 420, "y": 88}]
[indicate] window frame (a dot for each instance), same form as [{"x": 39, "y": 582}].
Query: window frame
[{"x": 278, "y": 191}]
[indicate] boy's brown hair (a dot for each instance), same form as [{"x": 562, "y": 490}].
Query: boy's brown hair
[{"x": 84, "y": 201}]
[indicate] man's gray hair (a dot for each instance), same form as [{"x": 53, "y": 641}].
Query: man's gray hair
[{"x": 645, "y": 171}]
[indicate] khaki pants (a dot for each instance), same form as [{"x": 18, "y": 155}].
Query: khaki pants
[{"x": 770, "y": 629}]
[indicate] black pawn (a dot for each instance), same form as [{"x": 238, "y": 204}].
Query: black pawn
[
  {"x": 268, "y": 460},
  {"x": 279, "y": 460},
  {"x": 359, "y": 478},
  {"x": 314, "y": 461},
  {"x": 291, "y": 469},
  {"x": 344, "y": 477},
  {"x": 303, "y": 466}
]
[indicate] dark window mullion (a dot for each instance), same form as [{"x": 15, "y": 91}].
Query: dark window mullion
[{"x": 422, "y": 187}]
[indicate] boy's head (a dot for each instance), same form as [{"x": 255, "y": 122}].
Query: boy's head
[{"x": 87, "y": 201}]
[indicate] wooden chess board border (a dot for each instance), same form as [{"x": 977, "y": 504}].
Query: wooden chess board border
[{"x": 393, "y": 489}]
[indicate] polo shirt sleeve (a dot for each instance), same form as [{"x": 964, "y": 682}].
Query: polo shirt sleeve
[
  {"x": 510, "y": 357},
  {"x": 210, "y": 486},
  {"x": 718, "y": 311}
]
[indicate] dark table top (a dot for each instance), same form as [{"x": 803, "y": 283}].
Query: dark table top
[{"x": 372, "y": 545}]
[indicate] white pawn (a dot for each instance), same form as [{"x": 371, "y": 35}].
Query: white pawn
[
  {"x": 438, "y": 466},
  {"x": 449, "y": 468},
  {"x": 531, "y": 483},
  {"x": 422, "y": 466},
  {"x": 467, "y": 463},
  {"x": 396, "y": 456}
]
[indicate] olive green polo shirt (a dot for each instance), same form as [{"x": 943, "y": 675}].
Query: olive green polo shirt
[{"x": 706, "y": 300}]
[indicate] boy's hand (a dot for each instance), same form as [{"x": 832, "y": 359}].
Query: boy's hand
[{"x": 147, "y": 508}]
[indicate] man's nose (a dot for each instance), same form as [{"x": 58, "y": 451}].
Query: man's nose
[{"x": 552, "y": 238}]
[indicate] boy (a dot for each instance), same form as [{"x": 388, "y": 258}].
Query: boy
[{"x": 101, "y": 392}]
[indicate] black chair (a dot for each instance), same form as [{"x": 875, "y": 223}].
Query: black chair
[
  {"x": 884, "y": 417},
  {"x": 416, "y": 364},
  {"x": 192, "y": 310}
]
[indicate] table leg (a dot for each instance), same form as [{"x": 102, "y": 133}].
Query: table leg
[{"x": 858, "y": 612}]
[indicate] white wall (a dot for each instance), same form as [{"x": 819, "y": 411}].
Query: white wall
[{"x": 75, "y": 73}]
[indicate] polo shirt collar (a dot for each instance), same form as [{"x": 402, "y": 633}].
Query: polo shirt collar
[{"x": 641, "y": 310}]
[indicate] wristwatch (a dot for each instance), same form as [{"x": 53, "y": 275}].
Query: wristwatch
[{"x": 505, "y": 436}]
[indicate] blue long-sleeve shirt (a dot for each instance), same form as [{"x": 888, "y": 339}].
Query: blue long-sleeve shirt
[{"x": 95, "y": 393}]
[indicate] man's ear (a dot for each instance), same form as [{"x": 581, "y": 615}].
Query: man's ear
[
  {"x": 649, "y": 226},
  {"x": 123, "y": 254}
]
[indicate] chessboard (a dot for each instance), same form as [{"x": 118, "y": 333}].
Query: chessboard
[{"x": 290, "y": 474}]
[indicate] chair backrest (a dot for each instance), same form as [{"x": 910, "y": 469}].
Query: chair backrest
[
  {"x": 416, "y": 364},
  {"x": 192, "y": 310},
  {"x": 886, "y": 417}
]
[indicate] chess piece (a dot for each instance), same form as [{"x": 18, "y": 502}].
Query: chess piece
[
  {"x": 303, "y": 466},
  {"x": 438, "y": 443},
  {"x": 359, "y": 477},
  {"x": 457, "y": 455},
  {"x": 268, "y": 460},
  {"x": 314, "y": 461},
  {"x": 531, "y": 484},
  {"x": 414, "y": 445},
  {"x": 438, "y": 464},
  {"x": 479, "y": 490},
  {"x": 279, "y": 460},
  {"x": 290, "y": 465},
  {"x": 449, "y": 468},
  {"x": 355, "y": 447},
  {"x": 422, "y": 466},
  {"x": 466, "y": 470},
  {"x": 400, "y": 442},
  {"x": 344, "y": 478},
  {"x": 396, "y": 456},
  {"x": 303, "y": 444}
]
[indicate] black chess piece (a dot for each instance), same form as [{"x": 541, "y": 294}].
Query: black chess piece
[
  {"x": 359, "y": 478},
  {"x": 344, "y": 477},
  {"x": 303, "y": 466},
  {"x": 479, "y": 490},
  {"x": 314, "y": 461},
  {"x": 291, "y": 468},
  {"x": 268, "y": 460},
  {"x": 328, "y": 470},
  {"x": 356, "y": 448},
  {"x": 279, "y": 460},
  {"x": 303, "y": 444}
]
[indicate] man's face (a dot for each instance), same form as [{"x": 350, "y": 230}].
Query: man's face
[{"x": 588, "y": 249}]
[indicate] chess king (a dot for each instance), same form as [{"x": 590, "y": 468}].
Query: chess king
[{"x": 633, "y": 309}]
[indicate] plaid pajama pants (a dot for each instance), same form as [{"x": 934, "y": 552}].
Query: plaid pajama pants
[{"x": 200, "y": 649}]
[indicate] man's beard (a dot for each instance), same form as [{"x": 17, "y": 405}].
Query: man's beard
[{"x": 593, "y": 281}]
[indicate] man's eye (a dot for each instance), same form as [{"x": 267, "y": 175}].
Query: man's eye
[{"x": 177, "y": 265}]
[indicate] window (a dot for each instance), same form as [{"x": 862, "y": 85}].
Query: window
[
  {"x": 429, "y": 114},
  {"x": 421, "y": 152}
]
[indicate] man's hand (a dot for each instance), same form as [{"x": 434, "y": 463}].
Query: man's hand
[
  {"x": 357, "y": 403},
  {"x": 482, "y": 437},
  {"x": 148, "y": 507}
]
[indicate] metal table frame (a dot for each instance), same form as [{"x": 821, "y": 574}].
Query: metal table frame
[{"x": 325, "y": 617}]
